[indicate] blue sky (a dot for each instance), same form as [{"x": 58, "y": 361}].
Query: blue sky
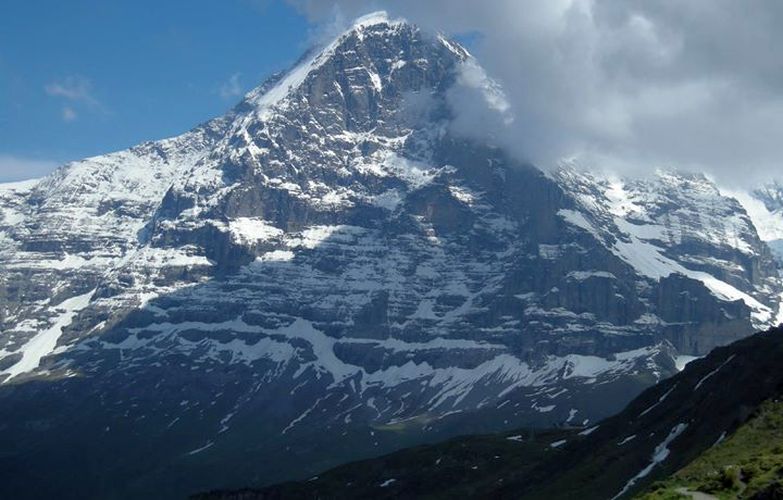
[{"x": 84, "y": 77}]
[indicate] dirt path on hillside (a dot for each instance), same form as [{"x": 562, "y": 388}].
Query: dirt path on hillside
[{"x": 696, "y": 495}]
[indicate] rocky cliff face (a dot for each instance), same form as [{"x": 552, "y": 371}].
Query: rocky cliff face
[
  {"x": 328, "y": 272},
  {"x": 679, "y": 231}
]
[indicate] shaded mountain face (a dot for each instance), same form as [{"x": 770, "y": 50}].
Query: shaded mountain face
[
  {"x": 721, "y": 410},
  {"x": 327, "y": 272}
]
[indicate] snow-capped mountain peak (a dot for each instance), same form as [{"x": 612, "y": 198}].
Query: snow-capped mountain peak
[{"x": 332, "y": 246}]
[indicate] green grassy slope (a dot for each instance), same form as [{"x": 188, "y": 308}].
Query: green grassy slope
[{"x": 748, "y": 464}]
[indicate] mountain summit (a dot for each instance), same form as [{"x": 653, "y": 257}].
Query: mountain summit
[{"x": 329, "y": 271}]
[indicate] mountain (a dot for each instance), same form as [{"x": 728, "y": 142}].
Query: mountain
[
  {"x": 765, "y": 207},
  {"x": 329, "y": 272},
  {"x": 713, "y": 428}
]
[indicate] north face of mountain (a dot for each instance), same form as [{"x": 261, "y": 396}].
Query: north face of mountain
[{"x": 328, "y": 272}]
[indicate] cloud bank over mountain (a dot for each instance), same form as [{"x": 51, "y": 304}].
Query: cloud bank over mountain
[{"x": 627, "y": 85}]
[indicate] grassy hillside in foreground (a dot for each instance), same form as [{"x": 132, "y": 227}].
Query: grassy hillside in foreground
[
  {"x": 465, "y": 467},
  {"x": 747, "y": 465},
  {"x": 665, "y": 434}
]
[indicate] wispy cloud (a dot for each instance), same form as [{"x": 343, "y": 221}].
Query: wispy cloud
[
  {"x": 73, "y": 88},
  {"x": 69, "y": 114},
  {"x": 76, "y": 90},
  {"x": 17, "y": 168},
  {"x": 231, "y": 88}
]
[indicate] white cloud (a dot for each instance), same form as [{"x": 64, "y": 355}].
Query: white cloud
[
  {"x": 650, "y": 83},
  {"x": 76, "y": 91},
  {"x": 232, "y": 88},
  {"x": 72, "y": 88},
  {"x": 16, "y": 168},
  {"x": 69, "y": 114}
]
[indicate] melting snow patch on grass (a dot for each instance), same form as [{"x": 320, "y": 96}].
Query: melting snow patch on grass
[
  {"x": 660, "y": 454},
  {"x": 589, "y": 431}
]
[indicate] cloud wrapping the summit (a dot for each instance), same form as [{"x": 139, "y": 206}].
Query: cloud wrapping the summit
[{"x": 628, "y": 84}]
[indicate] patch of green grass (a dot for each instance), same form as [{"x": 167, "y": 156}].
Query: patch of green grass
[
  {"x": 662, "y": 491},
  {"x": 747, "y": 463}
]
